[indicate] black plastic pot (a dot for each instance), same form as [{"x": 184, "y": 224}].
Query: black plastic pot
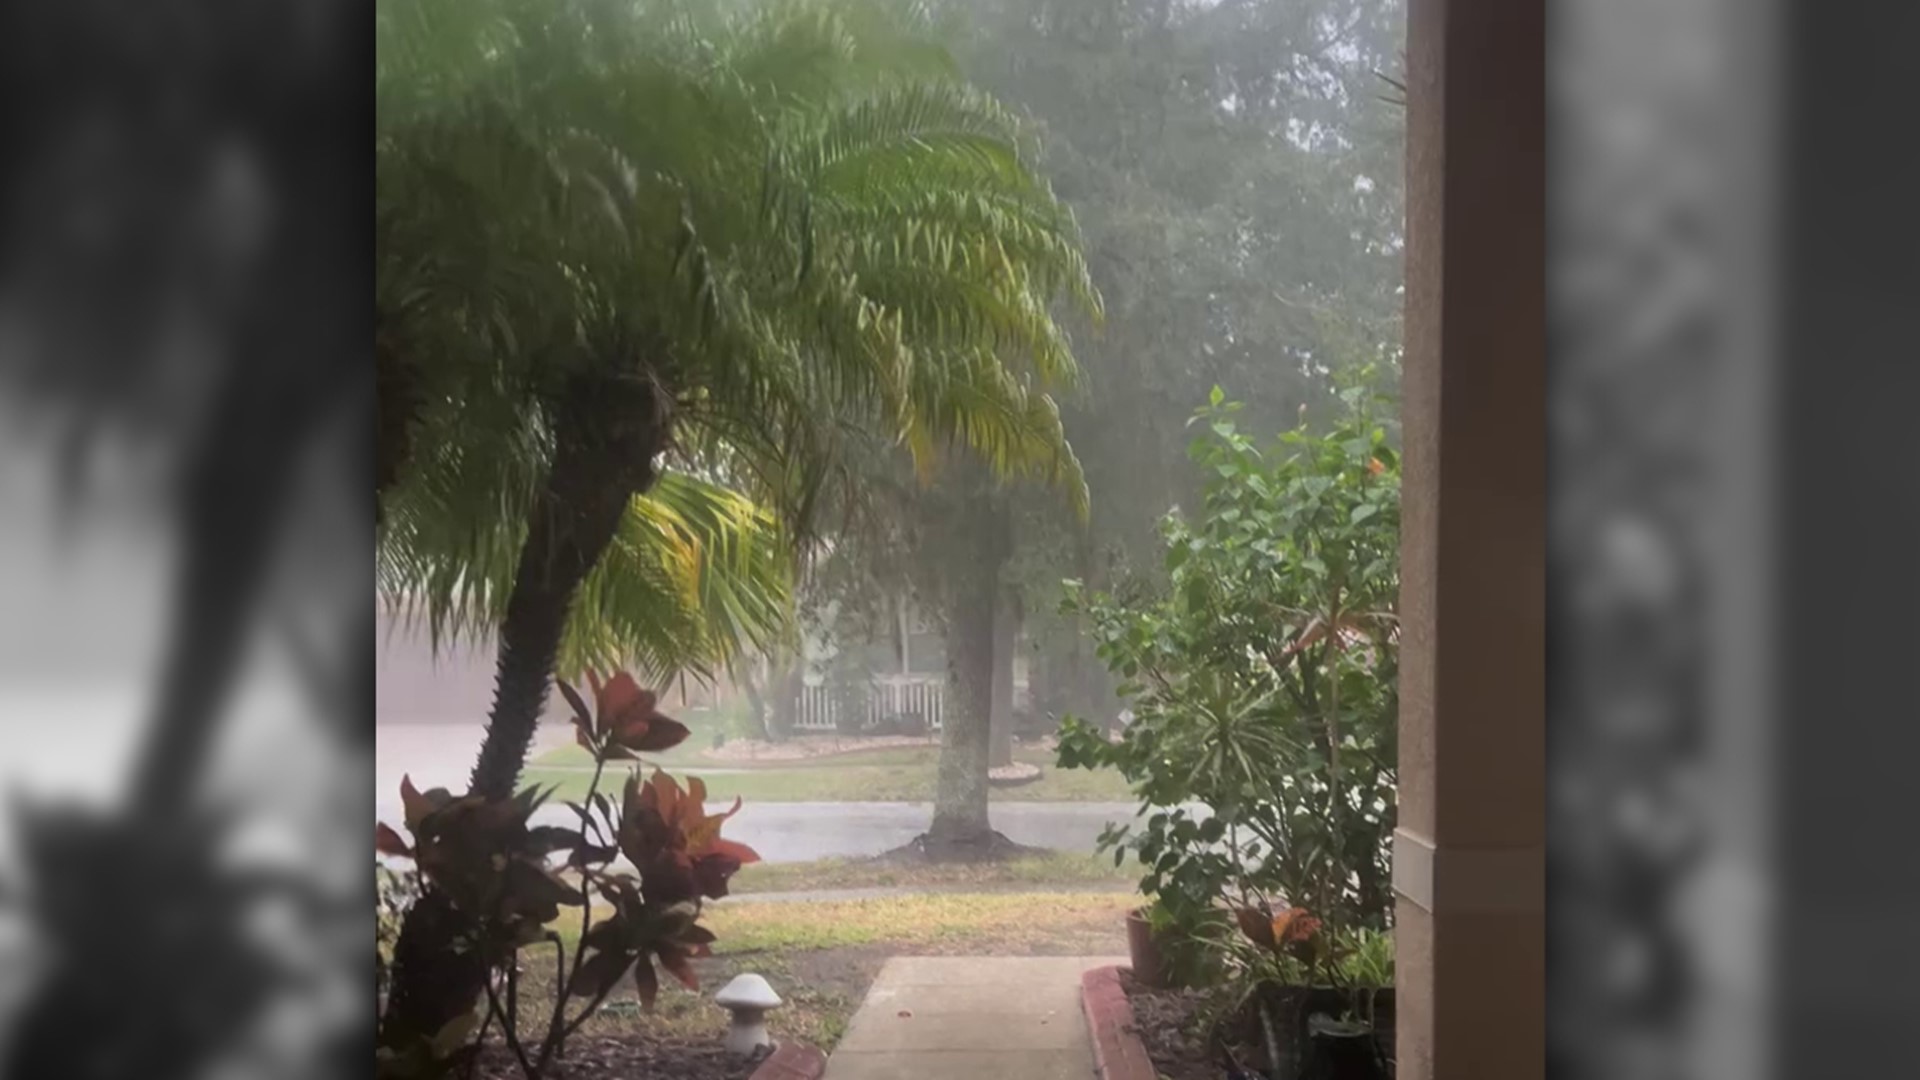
[
  {"x": 1338, "y": 1050},
  {"x": 1323, "y": 1048}
]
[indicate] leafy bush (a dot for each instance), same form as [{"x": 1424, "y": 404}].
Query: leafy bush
[
  {"x": 1262, "y": 679},
  {"x": 488, "y": 859}
]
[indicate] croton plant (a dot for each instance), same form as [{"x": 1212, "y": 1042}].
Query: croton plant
[{"x": 513, "y": 878}]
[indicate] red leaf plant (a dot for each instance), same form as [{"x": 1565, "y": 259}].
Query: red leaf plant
[
  {"x": 625, "y": 722},
  {"x": 487, "y": 858},
  {"x": 1294, "y": 932}
]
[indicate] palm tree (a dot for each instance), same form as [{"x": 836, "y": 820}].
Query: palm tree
[
  {"x": 622, "y": 243},
  {"x": 699, "y": 234}
]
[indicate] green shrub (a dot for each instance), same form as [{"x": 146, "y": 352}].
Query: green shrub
[{"x": 1262, "y": 679}]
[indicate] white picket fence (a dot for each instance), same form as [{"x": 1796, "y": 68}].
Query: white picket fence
[{"x": 891, "y": 695}]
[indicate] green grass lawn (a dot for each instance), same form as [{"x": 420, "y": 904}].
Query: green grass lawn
[
  {"x": 686, "y": 754},
  {"x": 822, "y": 956},
  {"x": 572, "y": 756},
  {"x": 909, "y": 779}
]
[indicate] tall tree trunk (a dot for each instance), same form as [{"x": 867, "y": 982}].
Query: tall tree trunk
[
  {"x": 1006, "y": 635},
  {"x": 960, "y": 795},
  {"x": 980, "y": 531},
  {"x": 784, "y": 715},
  {"x": 750, "y": 678},
  {"x": 609, "y": 433},
  {"x": 1084, "y": 677}
]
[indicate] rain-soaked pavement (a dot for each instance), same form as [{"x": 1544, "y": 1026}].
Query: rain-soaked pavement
[{"x": 440, "y": 755}]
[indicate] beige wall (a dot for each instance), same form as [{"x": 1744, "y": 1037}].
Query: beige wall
[{"x": 1469, "y": 864}]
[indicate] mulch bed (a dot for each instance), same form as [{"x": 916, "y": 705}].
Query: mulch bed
[
  {"x": 1180, "y": 1035},
  {"x": 1188, "y": 1037},
  {"x": 625, "y": 1057},
  {"x": 928, "y": 849}
]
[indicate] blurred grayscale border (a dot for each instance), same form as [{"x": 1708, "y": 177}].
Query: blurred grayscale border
[
  {"x": 186, "y": 602},
  {"x": 1732, "y": 540},
  {"x": 186, "y": 608}
]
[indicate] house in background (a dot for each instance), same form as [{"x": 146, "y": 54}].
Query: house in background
[
  {"x": 901, "y": 675},
  {"x": 896, "y": 677}
]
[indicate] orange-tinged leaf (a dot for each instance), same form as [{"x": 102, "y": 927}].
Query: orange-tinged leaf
[
  {"x": 619, "y": 698},
  {"x": 1294, "y": 925},
  {"x": 677, "y": 961},
  {"x": 388, "y": 842},
  {"x": 1256, "y": 926},
  {"x": 702, "y": 831},
  {"x": 651, "y": 735},
  {"x": 666, "y": 796},
  {"x": 735, "y": 849},
  {"x": 414, "y": 805}
]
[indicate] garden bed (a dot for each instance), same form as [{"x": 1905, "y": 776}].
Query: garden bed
[
  {"x": 1187, "y": 1038},
  {"x": 623, "y": 1057},
  {"x": 636, "y": 1056}
]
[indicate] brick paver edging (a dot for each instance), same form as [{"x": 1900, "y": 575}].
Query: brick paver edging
[
  {"x": 793, "y": 1061},
  {"x": 1118, "y": 1053}
]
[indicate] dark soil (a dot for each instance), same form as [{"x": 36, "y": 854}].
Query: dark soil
[
  {"x": 928, "y": 848},
  {"x": 1182, "y": 1038},
  {"x": 1190, "y": 1035},
  {"x": 849, "y": 969},
  {"x": 625, "y": 1057}
]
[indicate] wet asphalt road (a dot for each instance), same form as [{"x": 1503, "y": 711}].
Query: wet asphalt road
[
  {"x": 439, "y": 756},
  {"x": 799, "y": 832}
]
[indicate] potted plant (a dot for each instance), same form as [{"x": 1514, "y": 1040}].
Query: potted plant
[
  {"x": 1262, "y": 681},
  {"x": 1324, "y": 997}
]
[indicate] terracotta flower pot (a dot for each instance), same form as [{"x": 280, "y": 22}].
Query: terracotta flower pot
[{"x": 1143, "y": 947}]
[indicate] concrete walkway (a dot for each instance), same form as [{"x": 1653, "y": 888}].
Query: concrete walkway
[{"x": 965, "y": 1018}]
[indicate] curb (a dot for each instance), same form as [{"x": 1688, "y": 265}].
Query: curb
[
  {"x": 1118, "y": 1053},
  {"x": 794, "y": 1061}
]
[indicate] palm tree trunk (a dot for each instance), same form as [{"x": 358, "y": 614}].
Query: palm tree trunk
[
  {"x": 608, "y": 439},
  {"x": 603, "y": 460}
]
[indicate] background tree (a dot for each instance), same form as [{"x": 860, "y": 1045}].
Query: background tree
[{"x": 1236, "y": 172}]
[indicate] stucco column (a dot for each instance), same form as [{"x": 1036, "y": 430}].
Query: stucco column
[{"x": 1468, "y": 856}]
